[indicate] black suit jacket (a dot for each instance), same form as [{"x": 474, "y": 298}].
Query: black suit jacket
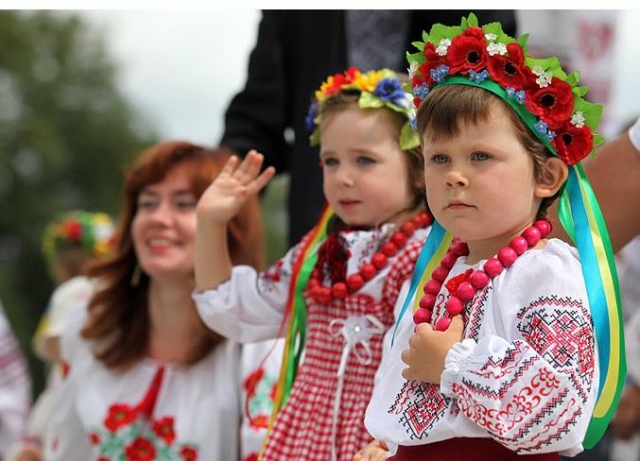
[{"x": 295, "y": 52}]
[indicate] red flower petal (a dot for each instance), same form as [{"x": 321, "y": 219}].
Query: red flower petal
[
  {"x": 140, "y": 449},
  {"x": 119, "y": 415},
  {"x": 553, "y": 104},
  {"x": 468, "y": 51},
  {"x": 510, "y": 71},
  {"x": 163, "y": 428},
  {"x": 572, "y": 143}
]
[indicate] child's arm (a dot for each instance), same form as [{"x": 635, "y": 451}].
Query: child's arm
[
  {"x": 222, "y": 200},
  {"x": 532, "y": 385}
]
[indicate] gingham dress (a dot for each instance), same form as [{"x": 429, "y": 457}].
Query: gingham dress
[{"x": 303, "y": 428}]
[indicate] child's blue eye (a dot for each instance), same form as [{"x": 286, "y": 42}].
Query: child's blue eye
[
  {"x": 480, "y": 156},
  {"x": 364, "y": 160},
  {"x": 439, "y": 158},
  {"x": 330, "y": 161}
]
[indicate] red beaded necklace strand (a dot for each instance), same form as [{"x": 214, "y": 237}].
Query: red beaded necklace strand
[
  {"x": 340, "y": 289},
  {"x": 477, "y": 280}
]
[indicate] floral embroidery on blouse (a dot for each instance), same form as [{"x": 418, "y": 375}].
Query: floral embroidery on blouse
[
  {"x": 260, "y": 389},
  {"x": 129, "y": 436}
]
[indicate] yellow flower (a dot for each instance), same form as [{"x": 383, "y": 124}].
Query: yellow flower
[{"x": 369, "y": 81}]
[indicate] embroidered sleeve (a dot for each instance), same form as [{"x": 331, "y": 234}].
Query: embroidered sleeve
[
  {"x": 534, "y": 393},
  {"x": 249, "y": 307}
]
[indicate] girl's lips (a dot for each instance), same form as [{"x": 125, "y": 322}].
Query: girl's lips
[{"x": 458, "y": 205}]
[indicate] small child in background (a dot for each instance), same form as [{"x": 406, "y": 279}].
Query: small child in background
[
  {"x": 338, "y": 287},
  {"x": 69, "y": 243},
  {"x": 502, "y": 357}
]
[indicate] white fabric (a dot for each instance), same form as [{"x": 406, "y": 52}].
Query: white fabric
[
  {"x": 202, "y": 398},
  {"x": 634, "y": 135},
  {"x": 15, "y": 388},
  {"x": 541, "y": 285}
]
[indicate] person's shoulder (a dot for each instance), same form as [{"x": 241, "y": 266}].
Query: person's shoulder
[
  {"x": 554, "y": 269},
  {"x": 76, "y": 289}
]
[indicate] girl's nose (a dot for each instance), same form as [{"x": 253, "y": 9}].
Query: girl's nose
[
  {"x": 345, "y": 177},
  {"x": 455, "y": 178}
]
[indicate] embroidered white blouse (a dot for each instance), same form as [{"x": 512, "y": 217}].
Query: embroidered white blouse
[
  {"x": 151, "y": 411},
  {"x": 526, "y": 373},
  {"x": 250, "y": 305}
]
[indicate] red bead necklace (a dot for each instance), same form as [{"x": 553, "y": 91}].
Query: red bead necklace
[
  {"x": 477, "y": 280},
  {"x": 340, "y": 289}
]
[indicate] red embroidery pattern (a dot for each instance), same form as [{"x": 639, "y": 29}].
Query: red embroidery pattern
[
  {"x": 131, "y": 433},
  {"x": 421, "y": 406},
  {"x": 561, "y": 331},
  {"x": 533, "y": 393}
]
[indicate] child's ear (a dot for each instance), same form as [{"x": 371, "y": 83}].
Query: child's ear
[{"x": 552, "y": 178}]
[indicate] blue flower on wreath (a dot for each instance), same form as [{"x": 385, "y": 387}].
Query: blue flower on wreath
[
  {"x": 517, "y": 95},
  {"x": 478, "y": 77},
  {"x": 311, "y": 117},
  {"x": 439, "y": 74},
  {"x": 414, "y": 124},
  {"x": 542, "y": 128},
  {"x": 390, "y": 90},
  {"x": 421, "y": 91}
]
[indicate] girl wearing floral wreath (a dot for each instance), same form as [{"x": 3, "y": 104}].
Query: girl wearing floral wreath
[
  {"x": 147, "y": 380},
  {"x": 333, "y": 296},
  {"x": 513, "y": 354}
]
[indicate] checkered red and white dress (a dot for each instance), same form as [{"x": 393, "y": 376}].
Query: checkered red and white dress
[{"x": 303, "y": 428}]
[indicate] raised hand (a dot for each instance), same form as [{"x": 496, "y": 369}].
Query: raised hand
[
  {"x": 228, "y": 192},
  {"x": 428, "y": 349}
]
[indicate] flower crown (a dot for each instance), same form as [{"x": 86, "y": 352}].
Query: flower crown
[
  {"x": 93, "y": 232},
  {"x": 548, "y": 100},
  {"x": 377, "y": 88}
]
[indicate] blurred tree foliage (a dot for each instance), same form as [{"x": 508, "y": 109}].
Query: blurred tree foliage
[{"x": 65, "y": 134}]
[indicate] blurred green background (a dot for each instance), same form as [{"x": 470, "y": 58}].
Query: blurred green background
[{"x": 66, "y": 133}]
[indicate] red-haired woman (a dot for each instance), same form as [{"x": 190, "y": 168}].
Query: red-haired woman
[{"x": 147, "y": 379}]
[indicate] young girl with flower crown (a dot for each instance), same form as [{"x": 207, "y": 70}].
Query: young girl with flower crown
[
  {"x": 337, "y": 289},
  {"x": 513, "y": 353}
]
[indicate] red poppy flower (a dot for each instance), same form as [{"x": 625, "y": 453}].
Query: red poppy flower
[
  {"x": 189, "y": 453},
  {"x": 163, "y": 428},
  {"x": 94, "y": 438},
  {"x": 454, "y": 282},
  {"x": 553, "y": 104},
  {"x": 251, "y": 382},
  {"x": 434, "y": 60},
  {"x": 572, "y": 143},
  {"x": 73, "y": 230},
  {"x": 468, "y": 51},
  {"x": 252, "y": 457},
  {"x": 102, "y": 458},
  {"x": 119, "y": 415},
  {"x": 510, "y": 71},
  {"x": 140, "y": 449}
]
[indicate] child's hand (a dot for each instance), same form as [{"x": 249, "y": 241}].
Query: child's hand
[
  {"x": 227, "y": 193},
  {"x": 428, "y": 349},
  {"x": 375, "y": 451}
]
